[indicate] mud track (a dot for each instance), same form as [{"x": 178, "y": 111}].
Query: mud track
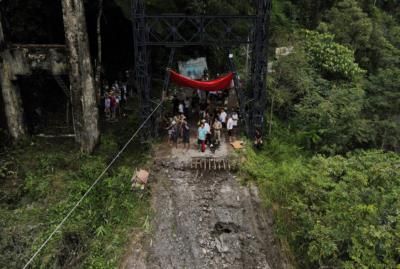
[{"x": 203, "y": 219}]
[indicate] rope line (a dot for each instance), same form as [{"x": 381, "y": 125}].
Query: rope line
[{"x": 92, "y": 186}]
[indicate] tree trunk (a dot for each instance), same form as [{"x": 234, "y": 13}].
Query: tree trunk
[
  {"x": 99, "y": 52},
  {"x": 11, "y": 95},
  {"x": 270, "y": 116},
  {"x": 84, "y": 108}
]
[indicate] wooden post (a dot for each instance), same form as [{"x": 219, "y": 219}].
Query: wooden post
[
  {"x": 83, "y": 93},
  {"x": 10, "y": 91}
]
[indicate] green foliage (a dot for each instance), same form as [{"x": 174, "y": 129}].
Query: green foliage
[
  {"x": 326, "y": 114},
  {"x": 335, "y": 212},
  {"x": 383, "y": 106},
  {"x": 330, "y": 118},
  {"x": 336, "y": 60},
  {"x": 53, "y": 178},
  {"x": 350, "y": 25},
  {"x": 291, "y": 81}
]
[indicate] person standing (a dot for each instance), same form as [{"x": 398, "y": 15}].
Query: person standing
[
  {"x": 217, "y": 126},
  {"x": 172, "y": 134},
  {"x": 208, "y": 131},
  {"x": 181, "y": 108},
  {"x": 107, "y": 106},
  {"x": 187, "y": 107},
  {"x": 222, "y": 117},
  {"x": 201, "y": 136},
  {"x": 117, "y": 104},
  {"x": 229, "y": 127},
  {"x": 175, "y": 134},
  {"x": 235, "y": 118},
  {"x": 195, "y": 101},
  {"x": 258, "y": 141},
  {"x": 175, "y": 104},
  {"x": 113, "y": 105},
  {"x": 185, "y": 134}
]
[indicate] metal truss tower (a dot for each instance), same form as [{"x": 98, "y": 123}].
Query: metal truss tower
[{"x": 179, "y": 30}]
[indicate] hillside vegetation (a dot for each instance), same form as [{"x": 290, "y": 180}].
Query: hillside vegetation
[{"x": 330, "y": 169}]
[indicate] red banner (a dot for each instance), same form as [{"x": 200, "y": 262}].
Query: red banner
[{"x": 222, "y": 83}]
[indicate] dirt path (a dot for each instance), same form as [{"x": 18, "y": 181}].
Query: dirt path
[{"x": 203, "y": 220}]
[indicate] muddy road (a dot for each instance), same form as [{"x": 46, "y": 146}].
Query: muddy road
[{"x": 203, "y": 219}]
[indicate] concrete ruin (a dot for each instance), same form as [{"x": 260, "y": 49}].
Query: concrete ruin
[
  {"x": 73, "y": 59},
  {"x": 28, "y": 58},
  {"x": 24, "y": 60}
]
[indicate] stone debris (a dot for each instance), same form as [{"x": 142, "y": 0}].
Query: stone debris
[{"x": 206, "y": 219}]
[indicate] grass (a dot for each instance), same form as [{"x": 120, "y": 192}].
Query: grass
[{"x": 42, "y": 180}]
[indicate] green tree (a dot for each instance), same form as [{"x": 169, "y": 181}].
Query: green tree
[
  {"x": 336, "y": 212},
  {"x": 383, "y": 107},
  {"x": 292, "y": 79},
  {"x": 350, "y": 25},
  {"x": 334, "y": 60},
  {"x": 330, "y": 118}
]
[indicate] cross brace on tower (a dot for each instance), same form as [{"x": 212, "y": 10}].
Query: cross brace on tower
[{"x": 179, "y": 30}]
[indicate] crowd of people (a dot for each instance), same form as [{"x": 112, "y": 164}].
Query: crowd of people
[
  {"x": 114, "y": 98},
  {"x": 213, "y": 122},
  {"x": 212, "y": 128},
  {"x": 178, "y": 129}
]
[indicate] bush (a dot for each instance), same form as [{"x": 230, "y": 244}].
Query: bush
[
  {"x": 336, "y": 60},
  {"x": 338, "y": 211}
]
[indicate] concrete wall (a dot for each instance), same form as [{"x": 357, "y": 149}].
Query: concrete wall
[{"x": 30, "y": 58}]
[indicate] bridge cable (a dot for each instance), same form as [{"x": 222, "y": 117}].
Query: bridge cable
[{"x": 94, "y": 184}]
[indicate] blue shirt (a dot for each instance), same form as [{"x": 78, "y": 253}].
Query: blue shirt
[{"x": 202, "y": 133}]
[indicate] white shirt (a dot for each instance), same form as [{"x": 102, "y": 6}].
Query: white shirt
[
  {"x": 222, "y": 117},
  {"x": 235, "y": 119},
  {"x": 107, "y": 102},
  {"x": 207, "y": 127},
  {"x": 180, "y": 108},
  {"x": 229, "y": 124}
]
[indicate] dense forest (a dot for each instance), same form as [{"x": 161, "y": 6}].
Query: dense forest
[{"x": 329, "y": 170}]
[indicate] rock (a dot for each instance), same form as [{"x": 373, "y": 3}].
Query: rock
[{"x": 221, "y": 247}]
